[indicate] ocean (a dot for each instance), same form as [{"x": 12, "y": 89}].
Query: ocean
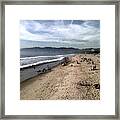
[
  {"x": 35, "y": 59},
  {"x": 29, "y": 56}
]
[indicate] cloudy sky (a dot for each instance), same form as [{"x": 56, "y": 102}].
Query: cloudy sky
[{"x": 60, "y": 33}]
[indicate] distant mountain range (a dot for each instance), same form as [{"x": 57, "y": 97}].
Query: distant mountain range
[{"x": 49, "y": 51}]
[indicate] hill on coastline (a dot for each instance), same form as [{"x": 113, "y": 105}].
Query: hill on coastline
[{"x": 49, "y": 51}]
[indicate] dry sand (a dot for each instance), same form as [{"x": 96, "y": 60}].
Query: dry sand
[{"x": 78, "y": 80}]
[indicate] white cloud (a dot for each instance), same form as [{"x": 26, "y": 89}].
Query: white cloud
[{"x": 57, "y": 31}]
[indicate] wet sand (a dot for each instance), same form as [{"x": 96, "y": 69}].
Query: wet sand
[{"x": 77, "y": 80}]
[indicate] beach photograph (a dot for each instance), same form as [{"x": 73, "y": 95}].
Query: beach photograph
[{"x": 59, "y": 59}]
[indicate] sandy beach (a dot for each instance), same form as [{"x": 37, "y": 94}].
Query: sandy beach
[{"x": 77, "y": 80}]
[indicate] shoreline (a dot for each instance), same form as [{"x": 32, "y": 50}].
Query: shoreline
[
  {"x": 77, "y": 80},
  {"x": 31, "y": 70}
]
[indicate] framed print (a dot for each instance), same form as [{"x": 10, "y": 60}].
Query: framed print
[{"x": 60, "y": 60}]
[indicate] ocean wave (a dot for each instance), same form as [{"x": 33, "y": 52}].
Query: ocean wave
[
  {"x": 55, "y": 56},
  {"x": 28, "y": 61},
  {"x": 40, "y": 62},
  {"x": 36, "y": 57}
]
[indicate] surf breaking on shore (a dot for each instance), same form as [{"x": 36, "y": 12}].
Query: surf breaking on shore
[
  {"x": 33, "y": 66},
  {"x": 78, "y": 79}
]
